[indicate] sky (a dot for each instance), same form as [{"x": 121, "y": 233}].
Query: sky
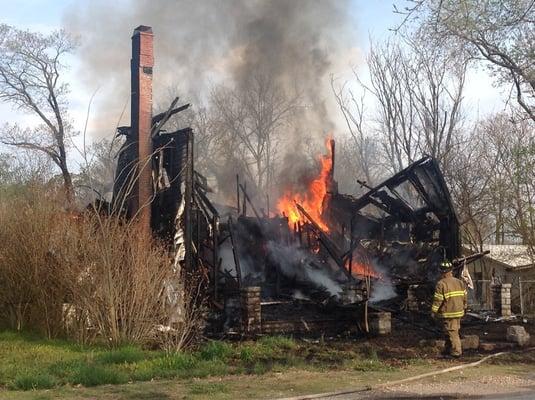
[{"x": 372, "y": 19}]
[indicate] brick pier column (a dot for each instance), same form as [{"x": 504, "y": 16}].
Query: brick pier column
[
  {"x": 412, "y": 299},
  {"x": 501, "y": 299},
  {"x": 251, "y": 310},
  {"x": 380, "y": 323}
]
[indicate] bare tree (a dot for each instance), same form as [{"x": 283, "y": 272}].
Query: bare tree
[
  {"x": 97, "y": 174},
  {"x": 390, "y": 75},
  {"x": 501, "y": 33},
  {"x": 24, "y": 167},
  {"x": 513, "y": 142},
  {"x": 360, "y": 150},
  {"x": 247, "y": 122},
  {"x": 418, "y": 95},
  {"x": 30, "y": 79},
  {"x": 493, "y": 185},
  {"x": 472, "y": 188}
]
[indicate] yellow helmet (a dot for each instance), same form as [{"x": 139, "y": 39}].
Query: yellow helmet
[{"x": 446, "y": 266}]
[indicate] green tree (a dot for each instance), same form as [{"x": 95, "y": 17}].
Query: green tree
[{"x": 501, "y": 33}]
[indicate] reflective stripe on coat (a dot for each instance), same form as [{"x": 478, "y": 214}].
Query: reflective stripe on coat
[{"x": 449, "y": 300}]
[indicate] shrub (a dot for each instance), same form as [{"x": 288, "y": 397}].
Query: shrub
[
  {"x": 171, "y": 365},
  {"x": 247, "y": 354},
  {"x": 209, "y": 368},
  {"x": 215, "y": 350},
  {"x": 33, "y": 236},
  {"x": 119, "y": 291},
  {"x": 278, "y": 342},
  {"x": 94, "y": 375},
  {"x": 260, "y": 368},
  {"x": 31, "y": 381},
  {"x": 123, "y": 355},
  {"x": 89, "y": 276},
  {"x": 370, "y": 353}
]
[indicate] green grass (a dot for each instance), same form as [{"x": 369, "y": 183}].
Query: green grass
[
  {"x": 208, "y": 388},
  {"x": 33, "y": 381},
  {"x": 30, "y": 362},
  {"x": 95, "y": 375},
  {"x": 127, "y": 354},
  {"x": 215, "y": 350}
]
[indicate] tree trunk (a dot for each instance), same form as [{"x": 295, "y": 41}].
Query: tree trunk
[{"x": 67, "y": 183}]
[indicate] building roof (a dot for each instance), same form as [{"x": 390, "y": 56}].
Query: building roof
[{"x": 513, "y": 256}]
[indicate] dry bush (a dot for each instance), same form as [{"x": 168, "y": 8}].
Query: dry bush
[
  {"x": 32, "y": 228},
  {"x": 119, "y": 291},
  {"x": 175, "y": 336},
  {"x": 89, "y": 276}
]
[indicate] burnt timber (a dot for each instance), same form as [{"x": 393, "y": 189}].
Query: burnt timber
[{"x": 260, "y": 274}]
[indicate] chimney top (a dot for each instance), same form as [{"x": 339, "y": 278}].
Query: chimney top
[{"x": 143, "y": 28}]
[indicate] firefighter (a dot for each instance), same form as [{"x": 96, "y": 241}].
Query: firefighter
[{"x": 449, "y": 304}]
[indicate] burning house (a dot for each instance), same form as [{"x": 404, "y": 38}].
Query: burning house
[{"x": 313, "y": 263}]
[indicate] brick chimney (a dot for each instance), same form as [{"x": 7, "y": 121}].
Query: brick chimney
[{"x": 141, "y": 121}]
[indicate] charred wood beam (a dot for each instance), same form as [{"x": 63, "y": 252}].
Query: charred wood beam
[
  {"x": 235, "y": 252},
  {"x": 223, "y": 239},
  {"x": 401, "y": 199},
  {"x": 184, "y": 131},
  {"x": 364, "y": 184},
  {"x": 420, "y": 189},
  {"x": 202, "y": 182},
  {"x": 202, "y": 207},
  {"x": 459, "y": 262},
  {"x": 332, "y": 144},
  {"x": 327, "y": 243},
  {"x": 244, "y": 211},
  {"x": 206, "y": 201},
  {"x": 217, "y": 260},
  {"x": 392, "y": 181},
  {"x": 162, "y": 116},
  {"x": 228, "y": 276},
  {"x": 394, "y": 206},
  {"x": 353, "y": 244},
  {"x": 238, "y": 192},
  {"x": 158, "y": 121},
  {"x": 386, "y": 208},
  {"x": 169, "y": 113},
  {"x": 246, "y": 196},
  {"x": 188, "y": 201}
]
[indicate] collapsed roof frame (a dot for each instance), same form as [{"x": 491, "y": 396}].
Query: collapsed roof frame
[{"x": 417, "y": 196}]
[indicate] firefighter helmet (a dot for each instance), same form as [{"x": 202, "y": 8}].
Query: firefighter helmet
[{"x": 445, "y": 266}]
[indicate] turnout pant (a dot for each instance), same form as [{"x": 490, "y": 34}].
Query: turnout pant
[{"x": 451, "y": 328}]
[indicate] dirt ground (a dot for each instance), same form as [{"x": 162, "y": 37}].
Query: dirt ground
[{"x": 407, "y": 339}]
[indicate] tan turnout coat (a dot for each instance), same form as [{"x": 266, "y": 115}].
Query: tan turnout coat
[{"x": 449, "y": 300}]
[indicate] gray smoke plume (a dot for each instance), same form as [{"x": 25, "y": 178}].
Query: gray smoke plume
[
  {"x": 202, "y": 43},
  {"x": 297, "y": 263},
  {"x": 382, "y": 289}
]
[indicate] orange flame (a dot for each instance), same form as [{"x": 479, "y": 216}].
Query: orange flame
[
  {"x": 363, "y": 270},
  {"x": 312, "y": 200}
]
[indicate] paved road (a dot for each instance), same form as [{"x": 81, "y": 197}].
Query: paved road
[
  {"x": 480, "y": 387},
  {"x": 524, "y": 395}
]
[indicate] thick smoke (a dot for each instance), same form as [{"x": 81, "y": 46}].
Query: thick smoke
[
  {"x": 382, "y": 289},
  {"x": 200, "y": 44},
  {"x": 296, "y": 263}
]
